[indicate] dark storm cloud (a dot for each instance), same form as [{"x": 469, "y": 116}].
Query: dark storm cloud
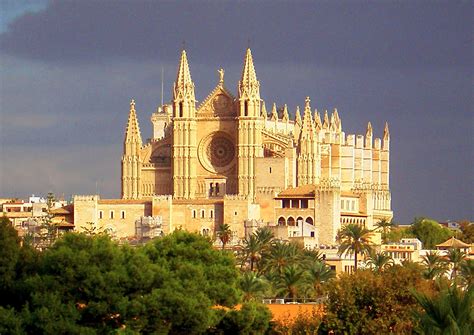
[
  {"x": 67, "y": 74},
  {"x": 415, "y": 33}
]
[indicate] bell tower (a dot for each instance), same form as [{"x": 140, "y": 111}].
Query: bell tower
[
  {"x": 250, "y": 123},
  {"x": 184, "y": 147}
]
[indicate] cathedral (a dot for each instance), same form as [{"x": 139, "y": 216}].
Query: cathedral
[{"x": 231, "y": 160}]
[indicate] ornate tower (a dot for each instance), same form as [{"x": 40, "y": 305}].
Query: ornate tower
[
  {"x": 249, "y": 125},
  {"x": 131, "y": 163},
  {"x": 184, "y": 147},
  {"x": 308, "y": 158}
]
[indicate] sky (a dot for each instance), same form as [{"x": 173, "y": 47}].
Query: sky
[{"x": 68, "y": 70}]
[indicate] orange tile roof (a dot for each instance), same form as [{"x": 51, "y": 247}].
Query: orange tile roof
[
  {"x": 305, "y": 191},
  {"x": 453, "y": 243}
]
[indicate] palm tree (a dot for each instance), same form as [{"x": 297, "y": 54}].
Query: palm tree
[
  {"x": 279, "y": 256},
  {"x": 448, "y": 313},
  {"x": 289, "y": 282},
  {"x": 354, "y": 239},
  {"x": 224, "y": 234},
  {"x": 435, "y": 265},
  {"x": 318, "y": 273},
  {"x": 455, "y": 257},
  {"x": 379, "y": 261},
  {"x": 385, "y": 226},
  {"x": 467, "y": 272},
  {"x": 252, "y": 251},
  {"x": 264, "y": 236},
  {"x": 252, "y": 285}
]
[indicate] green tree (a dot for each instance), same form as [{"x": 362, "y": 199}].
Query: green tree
[
  {"x": 290, "y": 282},
  {"x": 379, "y": 261},
  {"x": 467, "y": 232},
  {"x": 369, "y": 303},
  {"x": 455, "y": 258},
  {"x": 429, "y": 232},
  {"x": 251, "y": 251},
  {"x": 435, "y": 266},
  {"x": 385, "y": 226},
  {"x": 450, "y": 312},
  {"x": 467, "y": 272},
  {"x": 224, "y": 233},
  {"x": 9, "y": 258},
  {"x": 252, "y": 286},
  {"x": 354, "y": 240},
  {"x": 280, "y": 255},
  {"x": 316, "y": 274},
  {"x": 251, "y": 319}
]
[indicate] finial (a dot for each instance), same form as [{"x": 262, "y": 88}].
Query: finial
[
  {"x": 285, "y": 113},
  {"x": 307, "y": 102},
  {"x": 298, "y": 115},
  {"x": 326, "y": 119},
  {"x": 274, "y": 112},
  {"x": 369, "y": 129},
  {"x": 221, "y": 76},
  {"x": 386, "y": 132},
  {"x": 264, "y": 110},
  {"x": 132, "y": 104}
]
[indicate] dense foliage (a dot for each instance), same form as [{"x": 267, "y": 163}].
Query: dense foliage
[
  {"x": 180, "y": 284},
  {"x": 89, "y": 284}
]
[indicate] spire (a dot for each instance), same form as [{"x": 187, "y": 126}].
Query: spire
[
  {"x": 248, "y": 73},
  {"x": 326, "y": 120},
  {"x": 317, "y": 119},
  {"x": 249, "y": 85},
  {"x": 338, "y": 120},
  {"x": 307, "y": 116},
  {"x": 286, "y": 116},
  {"x": 368, "y": 136},
  {"x": 386, "y": 132},
  {"x": 264, "y": 110},
  {"x": 132, "y": 133},
  {"x": 369, "y": 131},
  {"x": 332, "y": 123},
  {"x": 184, "y": 86},
  {"x": 298, "y": 116},
  {"x": 274, "y": 112}
]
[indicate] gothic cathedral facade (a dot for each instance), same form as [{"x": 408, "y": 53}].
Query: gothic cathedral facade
[{"x": 230, "y": 160}]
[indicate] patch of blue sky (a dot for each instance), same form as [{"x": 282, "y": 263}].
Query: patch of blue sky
[{"x": 12, "y": 9}]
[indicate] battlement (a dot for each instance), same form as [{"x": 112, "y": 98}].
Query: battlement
[{"x": 77, "y": 198}]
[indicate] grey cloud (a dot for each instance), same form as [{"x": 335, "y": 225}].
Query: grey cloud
[{"x": 421, "y": 33}]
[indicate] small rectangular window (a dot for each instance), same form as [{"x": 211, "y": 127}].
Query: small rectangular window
[
  {"x": 211, "y": 213},
  {"x": 111, "y": 214},
  {"x": 235, "y": 213},
  {"x": 203, "y": 213},
  {"x": 194, "y": 213},
  {"x": 270, "y": 170},
  {"x": 101, "y": 214},
  {"x": 122, "y": 214}
]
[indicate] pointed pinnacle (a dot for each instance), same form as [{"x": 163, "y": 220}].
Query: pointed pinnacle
[
  {"x": 184, "y": 75},
  {"x": 286, "y": 116},
  {"x": 386, "y": 132},
  {"x": 274, "y": 112},
  {"x": 248, "y": 72},
  {"x": 326, "y": 119},
  {"x": 133, "y": 129},
  {"x": 264, "y": 110},
  {"x": 298, "y": 115},
  {"x": 369, "y": 129}
]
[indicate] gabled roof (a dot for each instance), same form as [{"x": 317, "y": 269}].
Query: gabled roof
[{"x": 453, "y": 243}]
